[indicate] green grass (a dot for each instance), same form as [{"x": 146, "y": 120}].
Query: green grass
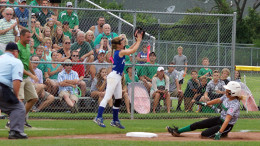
[
  {"x": 84, "y": 127},
  {"x": 80, "y": 127}
]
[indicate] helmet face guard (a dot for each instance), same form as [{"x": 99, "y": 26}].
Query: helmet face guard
[{"x": 234, "y": 88}]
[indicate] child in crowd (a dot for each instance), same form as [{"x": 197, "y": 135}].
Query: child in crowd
[
  {"x": 191, "y": 89},
  {"x": 205, "y": 72},
  {"x": 200, "y": 92},
  {"x": 225, "y": 75}
]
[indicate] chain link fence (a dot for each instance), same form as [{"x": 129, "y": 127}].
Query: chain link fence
[{"x": 200, "y": 36}]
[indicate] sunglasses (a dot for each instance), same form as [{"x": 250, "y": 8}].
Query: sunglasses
[
  {"x": 75, "y": 55},
  {"x": 67, "y": 43},
  {"x": 9, "y": 14},
  {"x": 102, "y": 51},
  {"x": 33, "y": 21},
  {"x": 68, "y": 64}
]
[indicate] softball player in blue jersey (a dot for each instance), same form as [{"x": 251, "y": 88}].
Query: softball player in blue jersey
[
  {"x": 218, "y": 126},
  {"x": 114, "y": 86}
]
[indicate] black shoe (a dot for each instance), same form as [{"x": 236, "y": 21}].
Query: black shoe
[
  {"x": 178, "y": 109},
  {"x": 17, "y": 135},
  {"x": 27, "y": 125},
  {"x": 7, "y": 125},
  {"x": 173, "y": 131},
  {"x": 2, "y": 116}
]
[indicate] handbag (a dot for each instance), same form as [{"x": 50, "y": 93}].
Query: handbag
[{"x": 8, "y": 95}]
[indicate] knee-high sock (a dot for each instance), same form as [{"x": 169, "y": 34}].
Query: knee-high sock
[
  {"x": 115, "y": 113},
  {"x": 100, "y": 111},
  {"x": 184, "y": 129}
]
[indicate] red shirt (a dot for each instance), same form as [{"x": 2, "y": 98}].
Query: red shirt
[{"x": 79, "y": 68}]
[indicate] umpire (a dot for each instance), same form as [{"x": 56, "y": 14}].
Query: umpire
[{"x": 11, "y": 76}]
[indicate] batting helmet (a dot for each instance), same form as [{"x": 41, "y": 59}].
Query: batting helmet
[{"x": 234, "y": 87}]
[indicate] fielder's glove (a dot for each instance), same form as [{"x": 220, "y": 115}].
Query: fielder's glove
[
  {"x": 201, "y": 103},
  {"x": 217, "y": 135}
]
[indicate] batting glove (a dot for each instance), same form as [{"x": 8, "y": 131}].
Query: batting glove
[
  {"x": 201, "y": 103},
  {"x": 217, "y": 135}
]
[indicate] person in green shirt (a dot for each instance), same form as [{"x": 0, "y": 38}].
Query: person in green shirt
[
  {"x": 66, "y": 29},
  {"x": 44, "y": 13},
  {"x": 70, "y": 16},
  {"x": 51, "y": 74},
  {"x": 36, "y": 3},
  {"x": 36, "y": 33},
  {"x": 83, "y": 47},
  {"x": 128, "y": 76},
  {"x": 1, "y": 52},
  {"x": 11, "y": 2},
  {"x": 89, "y": 37},
  {"x": 205, "y": 72},
  {"x": 27, "y": 91},
  {"x": 106, "y": 32},
  {"x": 149, "y": 71}
]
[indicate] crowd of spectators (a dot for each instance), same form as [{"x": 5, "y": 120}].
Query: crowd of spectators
[{"x": 56, "y": 37}]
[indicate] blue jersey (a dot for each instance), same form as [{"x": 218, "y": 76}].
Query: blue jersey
[
  {"x": 119, "y": 63},
  {"x": 22, "y": 16}
]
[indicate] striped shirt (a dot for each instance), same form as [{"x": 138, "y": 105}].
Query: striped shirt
[
  {"x": 9, "y": 36},
  {"x": 63, "y": 75}
]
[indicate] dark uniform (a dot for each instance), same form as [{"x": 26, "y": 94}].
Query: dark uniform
[{"x": 11, "y": 70}]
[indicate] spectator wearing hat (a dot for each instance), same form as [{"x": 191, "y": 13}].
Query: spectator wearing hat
[
  {"x": 149, "y": 71},
  {"x": 66, "y": 29},
  {"x": 98, "y": 29},
  {"x": 35, "y": 3},
  {"x": 44, "y": 13},
  {"x": 2, "y": 8},
  {"x": 70, "y": 16},
  {"x": 11, "y": 76},
  {"x": 79, "y": 68},
  {"x": 8, "y": 28},
  {"x": 106, "y": 32},
  {"x": 68, "y": 81},
  {"x": 101, "y": 59},
  {"x": 22, "y": 14},
  {"x": 160, "y": 88}
]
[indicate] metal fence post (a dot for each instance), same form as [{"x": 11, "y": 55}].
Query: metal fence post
[
  {"x": 218, "y": 41},
  {"x": 30, "y": 17},
  {"x": 196, "y": 54},
  {"x": 133, "y": 71},
  {"x": 233, "y": 48},
  {"x": 76, "y": 5},
  {"x": 119, "y": 24}
]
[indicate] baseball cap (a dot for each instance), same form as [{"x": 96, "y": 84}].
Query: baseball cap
[
  {"x": 69, "y": 4},
  {"x": 11, "y": 46},
  {"x": 33, "y": 14},
  {"x": 101, "y": 51},
  {"x": 22, "y": 1},
  {"x": 160, "y": 69},
  {"x": 65, "y": 22}
]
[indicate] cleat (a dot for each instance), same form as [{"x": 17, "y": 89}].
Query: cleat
[
  {"x": 117, "y": 124},
  {"x": 99, "y": 121},
  {"x": 17, "y": 135},
  {"x": 173, "y": 131}
]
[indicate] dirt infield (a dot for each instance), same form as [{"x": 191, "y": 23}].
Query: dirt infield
[{"x": 190, "y": 136}]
